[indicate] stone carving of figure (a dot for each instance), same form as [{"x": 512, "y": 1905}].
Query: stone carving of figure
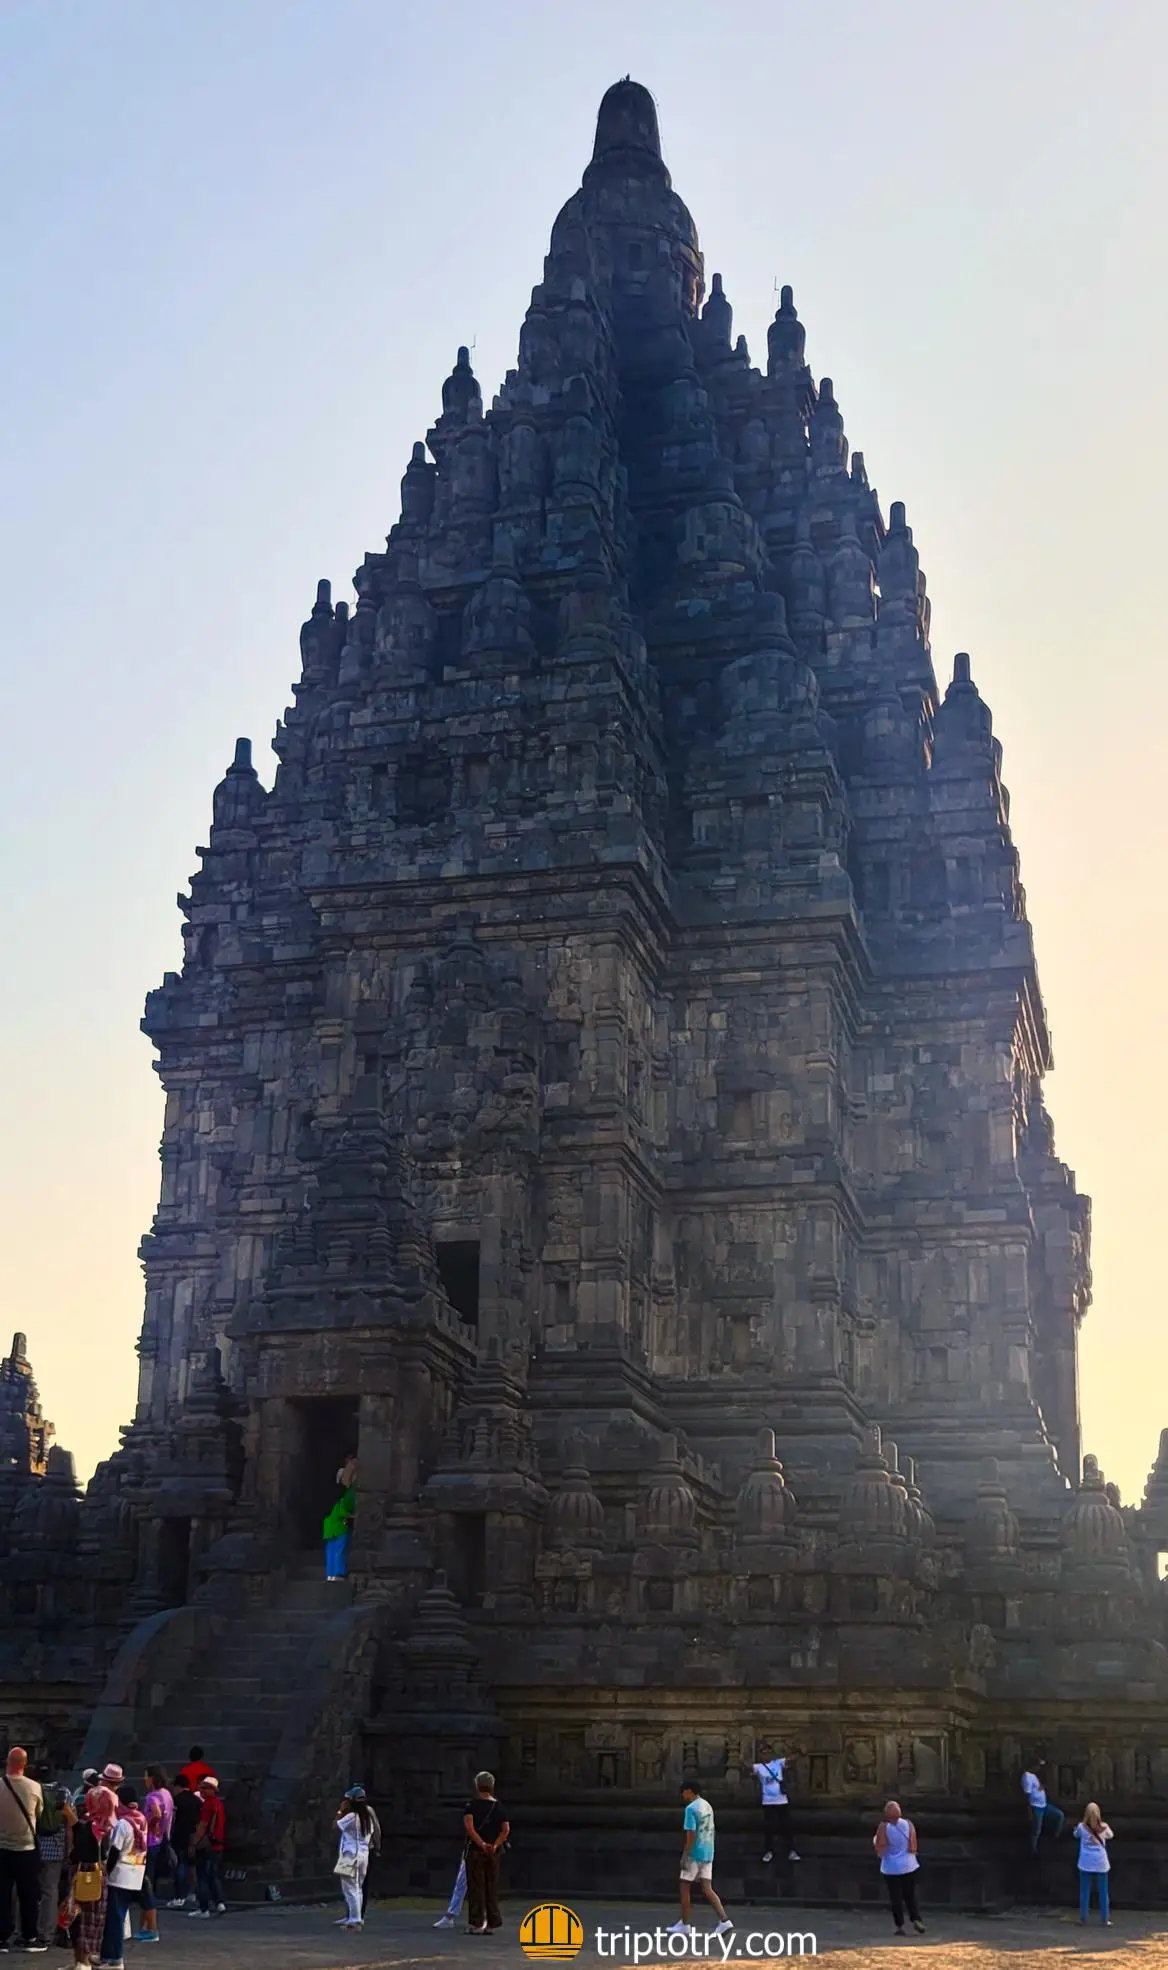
[
  {"x": 578, "y": 453},
  {"x": 473, "y": 472},
  {"x": 499, "y": 616},
  {"x": 522, "y": 462}
]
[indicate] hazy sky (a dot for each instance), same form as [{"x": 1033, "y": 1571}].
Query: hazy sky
[{"x": 241, "y": 240}]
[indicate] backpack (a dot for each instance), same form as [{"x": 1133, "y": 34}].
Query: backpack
[{"x": 52, "y": 1817}]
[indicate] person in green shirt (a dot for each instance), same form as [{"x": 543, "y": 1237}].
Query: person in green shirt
[{"x": 337, "y": 1531}]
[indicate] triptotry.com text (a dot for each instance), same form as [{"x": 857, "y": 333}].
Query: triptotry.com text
[{"x": 651, "y": 1945}]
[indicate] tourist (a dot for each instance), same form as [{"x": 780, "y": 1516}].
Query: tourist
[
  {"x": 196, "y": 1768},
  {"x": 53, "y": 1826},
  {"x": 487, "y": 1828},
  {"x": 776, "y": 1808},
  {"x": 88, "y": 1888},
  {"x": 1041, "y": 1814},
  {"x": 697, "y": 1859},
  {"x": 126, "y": 1871},
  {"x": 210, "y": 1839},
  {"x": 101, "y": 1801},
  {"x": 188, "y": 1808},
  {"x": 457, "y": 1898},
  {"x": 21, "y": 1802},
  {"x": 1092, "y": 1834},
  {"x": 355, "y": 1826},
  {"x": 895, "y": 1841},
  {"x": 347, "y": 1475},
  {"x": 337, "y": 1531},
  {"x": 158, "y": 1806},
  {"x": 89, "y": 1778}
]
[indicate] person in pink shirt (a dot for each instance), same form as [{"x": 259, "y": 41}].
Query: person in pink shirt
[{"x": 158, "y": 1807}]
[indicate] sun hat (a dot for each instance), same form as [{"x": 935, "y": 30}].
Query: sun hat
[{"x": 113, "y": 1774}]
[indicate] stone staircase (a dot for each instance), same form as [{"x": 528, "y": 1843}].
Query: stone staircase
[{"x": 241, "y": 1694}]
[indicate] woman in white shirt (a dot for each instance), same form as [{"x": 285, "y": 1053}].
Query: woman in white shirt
[
  {"x": 355, "y": 1826},
  {"x": 895, "y": 1841},
  {"x": 1092, "y": 1834},
  {"x": 125, "y": 1873}
]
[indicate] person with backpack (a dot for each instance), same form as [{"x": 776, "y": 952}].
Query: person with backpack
[
  {"x": 126, "y": 1871},
  {"x": 776, "y": 1808},
  {"x": 486, "y": 1827},
  {"x": 57, "y": 1817},
  {"x": 188, "y": 1808}
]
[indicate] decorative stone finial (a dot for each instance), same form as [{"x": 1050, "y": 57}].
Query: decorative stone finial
[
  {"x": 626, "y": 121},
  {"x": 992, "y": 1530},
  {"x": 576, "y": 1515},
  {"x": 765, "y": 1507},
  {"x": 872, "y": 1506},
  {"x": 961, "y": 672},
  {"x": 1093, "y": 1530},
  {"x": 242, "y": 761},
  {"x": 462, "y": 399}
]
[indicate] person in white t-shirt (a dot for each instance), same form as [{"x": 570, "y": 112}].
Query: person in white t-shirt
[
  {"x": 895, "y": 1841},
  {"x": 770, "y": 1771},
  {"x": 1042, "y": 1813}
]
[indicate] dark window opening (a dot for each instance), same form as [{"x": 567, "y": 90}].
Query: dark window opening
[
  {"x": 174, "y": 1561},
  {"x": 458, "y": 1269},
  {"x": 469, "y": 1558}
]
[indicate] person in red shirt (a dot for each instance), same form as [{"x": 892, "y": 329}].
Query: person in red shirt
[
  {"x": 196, "y": 1768},
  {"x": 210, "y": 1837}
]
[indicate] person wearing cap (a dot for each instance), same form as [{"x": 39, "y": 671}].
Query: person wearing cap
[
  {"x": 355, "y": 1822},
  {"x": 210, "y": 1839},
  {"x": 188, "y": 1810}
]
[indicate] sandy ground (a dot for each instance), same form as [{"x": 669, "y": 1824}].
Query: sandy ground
[{"x": 306, "y": 1939}]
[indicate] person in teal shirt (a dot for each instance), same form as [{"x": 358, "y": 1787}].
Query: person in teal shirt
[
  {"x": 697, "y": 1859},
  {"x": 337, "y": 1531}
]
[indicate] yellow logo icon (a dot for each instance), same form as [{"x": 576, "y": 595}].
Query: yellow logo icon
[{"x": 551, "y": 1933}]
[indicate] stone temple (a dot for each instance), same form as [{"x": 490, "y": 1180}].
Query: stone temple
[{"x": 604, "y": 1088}]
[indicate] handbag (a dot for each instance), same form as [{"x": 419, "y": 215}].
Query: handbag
[
  {"x": 346, "y": 1867},
  {"x": 88, "y": 1883}
]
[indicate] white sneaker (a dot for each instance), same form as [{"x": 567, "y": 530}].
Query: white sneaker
[
  {"x": 198, "y": 1915},
  {"x": 221, "y": 1908},
  {"x": 180, "y": 1901},
  {"x": 681, "y": 1929},
  {"x": 444, "y": 1922},
  {"x": 721, "y": 1928},
  {"x": 793, "y": 1856},
  {"x": 768, "y": 1856}
]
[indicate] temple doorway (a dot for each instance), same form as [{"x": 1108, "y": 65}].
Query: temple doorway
[
  {"x": 325, "y": 1431},
  {"x": 174, "y": 1561}
]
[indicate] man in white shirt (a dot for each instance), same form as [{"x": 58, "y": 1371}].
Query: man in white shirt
[
  {"x": 776, "y": 1808},
  {"x": 1041, "y": 1813}
]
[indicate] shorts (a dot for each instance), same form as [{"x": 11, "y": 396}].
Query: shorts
[{"x": 697, "y": 1870}]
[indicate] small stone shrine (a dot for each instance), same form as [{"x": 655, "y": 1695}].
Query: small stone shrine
[{"x": 604, "y": 1090}]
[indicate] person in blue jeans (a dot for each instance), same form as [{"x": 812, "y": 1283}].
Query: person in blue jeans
[
  {"x": 1092, "y": 1834},
  {"x": 1041, "y": 1812}
]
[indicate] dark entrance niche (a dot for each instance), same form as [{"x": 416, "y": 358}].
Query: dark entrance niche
[
  {"x": 468, "y": 1569},
  {"x": 458, "y": 1269},
  {"x": 324, "y": 1432},
  {"x": 174, "y": 1561}
]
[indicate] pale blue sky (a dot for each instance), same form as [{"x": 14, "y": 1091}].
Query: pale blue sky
[{"x": 241, "y": 243}]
